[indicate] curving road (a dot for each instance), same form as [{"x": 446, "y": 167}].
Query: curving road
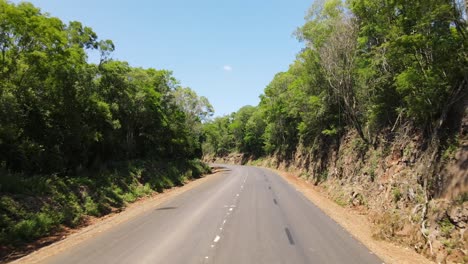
[{"x": 241, "y": 215}]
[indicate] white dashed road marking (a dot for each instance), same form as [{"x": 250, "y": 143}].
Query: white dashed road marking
[{"x": 231, "y": 208}]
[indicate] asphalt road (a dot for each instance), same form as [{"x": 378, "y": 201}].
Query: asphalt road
[{"x": 242, "y": 215}]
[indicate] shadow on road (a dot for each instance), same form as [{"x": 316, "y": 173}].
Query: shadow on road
[{"x": 166, "y": 208}]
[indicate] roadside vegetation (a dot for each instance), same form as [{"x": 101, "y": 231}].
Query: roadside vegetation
[
  {"x": 374, "y": 110},
  {"x": 32, "y": 207},
  {"x": 82, "y": 139},
  {"x": 368, "y": 65}
]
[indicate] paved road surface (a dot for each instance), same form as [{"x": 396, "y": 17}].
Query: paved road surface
[{"x": 242, "y": 215}]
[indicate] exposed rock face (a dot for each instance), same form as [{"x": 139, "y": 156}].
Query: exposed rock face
[
  {"x": 414, "y": 197},
  {"x": 458, "y": 215},
  {"x": 233, "y": 158},
  {"x": 415, "y": 193}
]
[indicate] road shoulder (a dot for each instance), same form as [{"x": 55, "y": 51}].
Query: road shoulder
[{"x": 356, "y": 224}]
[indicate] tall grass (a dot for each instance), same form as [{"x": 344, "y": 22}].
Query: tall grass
[{"x": 35, "y": 206}]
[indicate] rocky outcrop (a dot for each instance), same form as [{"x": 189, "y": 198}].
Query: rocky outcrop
[
  {"x": 414, "y": 194},
  {"x": 414, "y": 189}
]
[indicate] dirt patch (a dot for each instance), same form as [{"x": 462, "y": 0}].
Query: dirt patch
[
  {"x": 354, "y": 222},
  {"x": 68, "y": 238}
]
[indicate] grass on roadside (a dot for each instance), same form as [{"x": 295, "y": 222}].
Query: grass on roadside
[{"x": 36, "y": 206}]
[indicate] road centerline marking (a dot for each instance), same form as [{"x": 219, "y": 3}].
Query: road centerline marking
[{"x": 288, "y": 234}]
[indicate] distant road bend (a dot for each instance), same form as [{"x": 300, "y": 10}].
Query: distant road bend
[{"x": 242, "y": 215}]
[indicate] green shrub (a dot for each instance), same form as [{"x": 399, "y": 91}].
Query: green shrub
[
  {"x": 359, "y": 146},
  {"x": 66, "y": 200},
  {"x": 463, "y": 197},
  {"x": 90, "y": 207},
  {"x": 36, "y": 226},
  {"x": 446, "y": 227},
  {"x": 397, "y": 195},
  {"x": 451, "y": 148},
  {"x": 340, "y": 201},
  {"x": 129, "y": 197},
  {"x": 321, "y": 177}
]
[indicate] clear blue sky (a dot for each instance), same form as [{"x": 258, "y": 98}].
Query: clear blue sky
[{"x": 227, "y": 51}]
